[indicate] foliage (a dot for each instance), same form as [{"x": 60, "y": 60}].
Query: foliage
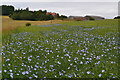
[
  {"x": 30, "y": 15},
  {"x": 25, "y": 14},
  {"x": 22, "y": 15},
  {"x": 62, "y": 17},
  {"x": 7, "y": 10},
  {"x": 118, "y": 17},
  {"x": 28, "y": 24},
  {"x": 90, "y": 18}
]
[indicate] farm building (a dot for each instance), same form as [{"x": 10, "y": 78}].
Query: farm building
[{"x": 53, "y": 14}]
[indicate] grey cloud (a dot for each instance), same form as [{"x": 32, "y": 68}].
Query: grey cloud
[
  {"x": 106, "y": 9},
  {"x": 59, "y": 0}
]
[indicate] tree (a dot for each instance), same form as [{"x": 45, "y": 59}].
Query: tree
[
  {"x": 26, "y": 14},
  {"x": 21, "y": 15},
  {"x": 62, "y": 17},
  {"x": 7, "y": 10},
  {"x": 30, "y": 15},
  {"x": 27, "y": 9},
  {"x": 90, "y": 18},
  {"x": 118, "y": 17}
]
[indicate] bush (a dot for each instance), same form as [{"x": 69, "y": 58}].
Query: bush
[
  {"x": 118, "y": 17},
  {"x": 28, "y": 24},
  {"x": 62, "y": 17},
  {"x": 90, "y": 18}
]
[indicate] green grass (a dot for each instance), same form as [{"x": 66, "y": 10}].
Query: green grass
[{"x": 76, "y": 49}]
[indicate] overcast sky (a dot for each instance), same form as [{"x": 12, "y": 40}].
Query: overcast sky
[
  {"x": 60, "y": 0},
  {"x": 105, "y": 9}
]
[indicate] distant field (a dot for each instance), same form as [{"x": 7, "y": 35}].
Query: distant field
[
  {"x": 9, "y": 24},
  {"x": 75, "y": 49}
]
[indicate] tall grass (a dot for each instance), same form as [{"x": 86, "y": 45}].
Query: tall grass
[{"x": 9, "y": 24}]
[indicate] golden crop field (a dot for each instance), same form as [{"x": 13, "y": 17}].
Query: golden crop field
[{"x": 9, "y": 24}]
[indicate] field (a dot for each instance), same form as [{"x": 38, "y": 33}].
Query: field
[
  {"x": 9, "y": 24},
  {"x": 75, "y": 49}
]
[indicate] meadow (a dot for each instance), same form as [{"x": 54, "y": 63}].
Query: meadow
[
  {"x": 74, "y": 49},
  {"x": 8, "y": 24}
]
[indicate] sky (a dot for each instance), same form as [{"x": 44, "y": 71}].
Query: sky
[
  {"x": 59, "y": 0},
  {"x": 107, "y": 9}
]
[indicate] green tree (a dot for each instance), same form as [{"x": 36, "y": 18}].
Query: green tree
[
  {"x": 62, "y": 17},
  {"x": 118, "y": 17},
  {"x": 90, "y": 18},
  {"x": 7, "y": 10},
  {"x": 21, "y": 15}
]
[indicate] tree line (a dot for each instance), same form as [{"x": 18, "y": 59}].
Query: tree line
[
  {"x": 26, "y": 14},
  {"x": 7, "y": 10},
  {"x": 118, "y": 17}
]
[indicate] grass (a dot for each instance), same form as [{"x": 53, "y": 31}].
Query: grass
[
  {"x": 9, "y": 24},
  {"x": 75, "y": 49}
]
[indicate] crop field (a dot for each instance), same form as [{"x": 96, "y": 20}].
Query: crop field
[
  {"x": 75, "y": 49},
  {"x": 8, "y": 24}
]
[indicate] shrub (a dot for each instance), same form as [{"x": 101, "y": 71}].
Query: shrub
[
  {"x": 28, "y": 24},
  {"x": 90, "y": 18},
  {"x": 62, "y": 17},
  {"x": 118, "y": 17}
]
